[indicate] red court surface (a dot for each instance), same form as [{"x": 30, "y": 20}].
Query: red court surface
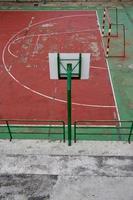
[{"x": 25, "y": 87}]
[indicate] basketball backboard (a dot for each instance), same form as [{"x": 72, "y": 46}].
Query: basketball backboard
[{"x": 58, "y": 65}]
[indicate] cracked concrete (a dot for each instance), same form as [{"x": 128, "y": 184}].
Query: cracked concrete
[{"x": 42, "y": 170}]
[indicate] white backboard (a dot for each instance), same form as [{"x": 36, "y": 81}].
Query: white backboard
[{"x": 85, "y": 63}]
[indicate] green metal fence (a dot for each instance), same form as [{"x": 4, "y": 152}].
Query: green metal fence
[
  {"x": 103, "y": 130},
  {"x": 111, "y": 130},
  {"x": 27, "y": 128}
]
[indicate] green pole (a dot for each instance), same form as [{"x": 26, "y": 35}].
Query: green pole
[{"x": 69, "y": 74}]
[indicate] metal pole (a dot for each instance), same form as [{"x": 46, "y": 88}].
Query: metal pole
[
  {"x": 8, "y": 127},
  {"x": 75, "y": 132},
  {"x": 131, "y": 129},
  {"x": 117, "y": 22},
  {"x": 69, "y": 74},
  {"x": 124, "y": 41},
  {"x": 44, "y": 1}
]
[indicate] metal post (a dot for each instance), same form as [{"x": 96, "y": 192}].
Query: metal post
[
  {"x": 8, "y": 127},
  {"x": 117, "y": 31},
  {"x": 69, "y": 74},
  {"x": 64, "y": 138},
  {"x": 44, "y": 1},
  {"x": 75, "y": 132},
  {"x": 108, "y": 41},
  {"x": 130, "y": 134},
  {"x": 80, "y": 65},
  {"x": 124, "y": 41}
]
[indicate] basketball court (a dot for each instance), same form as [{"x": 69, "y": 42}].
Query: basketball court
[
  {"x": 34, "y": 106},
  {"x": 25, "y": 79}
]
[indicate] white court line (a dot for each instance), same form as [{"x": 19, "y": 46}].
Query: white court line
[
  {"x": 110, "y": 78},
  {"x": 49, "y": 20},
  {"x": 116, "y": 105},
  {"x": 98, "y": 67},
  {"x": 36, "y": 45},
  {"x": 47, "y": 34},
  {"x": 30, "y": 23},
  {"x": 9, "y": 50},
  {"x": 9, "y": 67},
  {"x": 34, "y": 91}
]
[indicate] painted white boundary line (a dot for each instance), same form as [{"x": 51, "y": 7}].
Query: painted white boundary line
[
  {"x": 41, "y": 35},
  {"x": 110, "y": 78},
  {"x": 118, "y": 115}
]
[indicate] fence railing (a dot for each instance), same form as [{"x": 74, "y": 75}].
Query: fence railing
[
  {"x": 55, "y": 130},
  {"x": 110, "y": 129},
  {"x": 20, "y": 128}
]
